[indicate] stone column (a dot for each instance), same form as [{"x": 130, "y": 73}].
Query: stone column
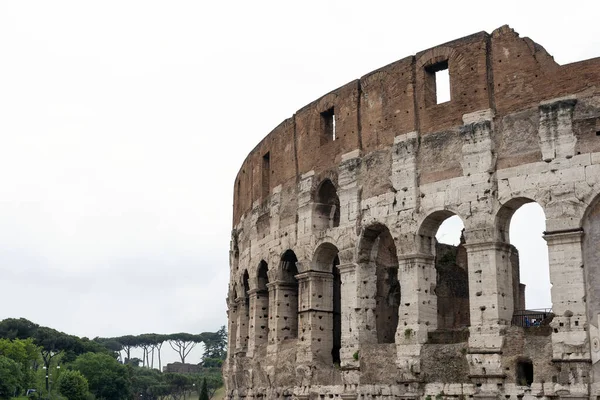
[
  {"x": 241, "y": 338},
  {"x": 232, "y": 329},
  {"x": 491, "y": 306},
  {"x": 283, "y": 314},
  {"x": 259, "y": 320},
  {"x": 315, "y": 317},
  {"x": 569, "y": 337},
  {"x": 418, "y": 310},
  {"x": 350, "y": 339}
]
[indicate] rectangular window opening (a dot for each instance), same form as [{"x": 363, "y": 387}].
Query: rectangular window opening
[
  {"x": 266, "y": 175},
  {"x": 437, "y": 83},
  {"x": 328, "y": 124}
]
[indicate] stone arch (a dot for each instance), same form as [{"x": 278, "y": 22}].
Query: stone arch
[
  {"x": 518, "y": 257},
  {"x": 260, "y": 307},
  {"x": 378, "y": 261},
  {"x": 590, "y": 223},
  {"x": 451, "y": 283},
  {"x": 324, "y": 256},
  {"x": 243, "y": 313},
  {"x": 262, "y": 276},
  {"x": 505, "y": 214},
  {"x": 323, "y": 285},
  {"x": 287, "y": 297},
  {"x": 326, "y": 206}
]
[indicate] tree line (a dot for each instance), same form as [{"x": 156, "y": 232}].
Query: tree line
[{"x": 55, "y": 364}]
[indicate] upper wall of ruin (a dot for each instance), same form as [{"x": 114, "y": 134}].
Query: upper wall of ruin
[{"x": 501, "y": 72}]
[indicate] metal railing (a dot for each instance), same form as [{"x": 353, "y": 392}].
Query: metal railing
[{"x": 532, "y": 318}]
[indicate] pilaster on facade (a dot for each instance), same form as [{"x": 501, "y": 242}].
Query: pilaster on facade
[
  {"x": 417, "y": 311},
  {"x": 283, "y": 310},
  {"x": 350, "y": 323},
  {"x": 404, "y": 174},
  {"x": 570, "y": 337},
  {"x": 349, "y": 189},
  {"x": 556, "y": 129},
  {"x": 258, "y": 330},
  {"x": 315, "y": 317},
  {"x": 241, "y": 337}
]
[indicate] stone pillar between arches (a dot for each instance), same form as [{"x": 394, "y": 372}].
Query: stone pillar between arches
[
  {"x": 569, "y": 336},
  {"x": 241, "y": 338},
  {"x": 417, "y": 311},
  {"x": 350, "y": 335},
  {"x": 491, "y": 308},
  {"x": 315, "y": 317},
  {"x": 258, "y": 329},
  {"x": 283, "y": 312}
]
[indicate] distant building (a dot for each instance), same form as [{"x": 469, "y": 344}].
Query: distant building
[{"x": 180, "y": 368}]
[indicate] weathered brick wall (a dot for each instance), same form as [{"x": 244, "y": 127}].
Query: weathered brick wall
[{"x": 500, "y": 71}]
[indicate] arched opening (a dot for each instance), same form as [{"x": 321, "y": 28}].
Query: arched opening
[
  {"x": 521, "y": 223},
  {"x": 337, "y": 312},
  {"x": 245, "y": 282},
  {"x": 262, "y": 303},
  {"x": 327, "y": 206},
  {"x": 378, "y": 259},
  {"x": 233, "y": 319},
  {"x": 441, "y": 236},
  {"x": 288, "y": 300},
  {"x": 326, "y": 306},
  {"x": 243, "y": 311},
  {"x": 591, "y": 263},
  {"x": 524, "y": 372}
]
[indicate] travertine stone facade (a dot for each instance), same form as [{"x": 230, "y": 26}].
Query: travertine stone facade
[{"x": 336, "y": 289}]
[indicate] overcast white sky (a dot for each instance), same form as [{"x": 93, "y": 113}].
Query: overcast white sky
[{"x": 123, "y": 123}]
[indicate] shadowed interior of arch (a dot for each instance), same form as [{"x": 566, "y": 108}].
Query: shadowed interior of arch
[
  {"x": 326, "y": 260},
  {"x": 327, "y": 206},
  {"x": 442, "y": 237},
  {"x": 262, "y": 300},
  {"x": 378, "y": 260},
  {"x": 289, "y": 299}
]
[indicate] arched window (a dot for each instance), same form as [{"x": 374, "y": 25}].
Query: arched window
[
  {"x": 379, "y": 266},
  {"x": 441, "y": 236},
  {"x": 261, "y": 313},
  {"x": 521, "y": 223},
  {"x": 288, "y": 301},
  {"x": 327, "y": 206},
  {"x": 326, "y": 260}
]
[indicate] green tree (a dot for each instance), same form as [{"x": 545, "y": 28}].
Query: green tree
[
  {"x": 26, "y": 354},
  {"x": 203, "y": 391},
  {"x": 73, "y": 385},
  {"x": 215, "y": 345},
  {"x": 107, "y": 378},
  {"x": 10, "y": 377},
  {"x": 183, "y": 343}
]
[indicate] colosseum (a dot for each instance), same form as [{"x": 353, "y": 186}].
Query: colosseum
[{"x": 339, "y": 289}]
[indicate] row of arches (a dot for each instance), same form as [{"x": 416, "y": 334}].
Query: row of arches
[{"x": 379, "y": 287}]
